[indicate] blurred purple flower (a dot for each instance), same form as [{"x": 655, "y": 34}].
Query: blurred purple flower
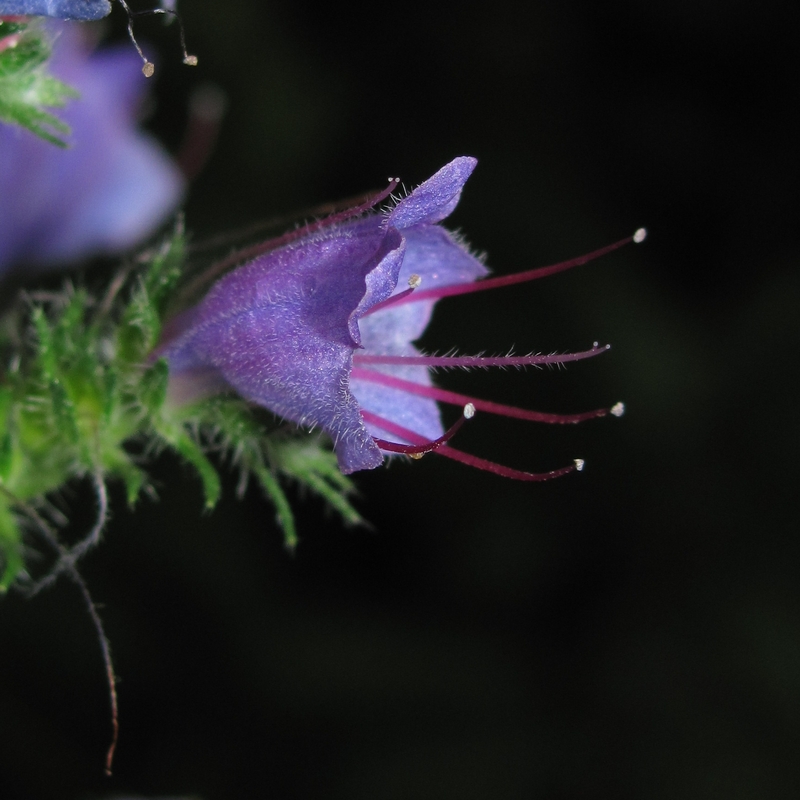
[
  {"x": 84, "y": 10},
  {"x": 108, "y": 190},
  {"x": 313, "y": 330}
]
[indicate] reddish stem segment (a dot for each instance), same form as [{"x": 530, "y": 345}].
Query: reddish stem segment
[
  {"x": 445, "y": 396},
  {"x": 479, "y": 361}
]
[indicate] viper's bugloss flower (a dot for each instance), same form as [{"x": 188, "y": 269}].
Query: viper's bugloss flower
[
  {"x": 108, "y": 190},
  {"x": 84, "y": 10},
  {"x": 319, "y": 329}
]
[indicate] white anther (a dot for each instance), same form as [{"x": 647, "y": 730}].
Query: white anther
[
  {"x": 618, "y": 409},
  {"x": 148, "y": 69},
  {"x": 640, "y": 235},
  {"x": 579, "y": 462},
  {"x": 190, "y": 61},
  {"x": 469, "y": 411},
  {"x": 414, "y": 281}
]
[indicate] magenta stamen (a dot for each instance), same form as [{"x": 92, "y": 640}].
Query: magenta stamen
[
  {"x": 389, "y": 301},
  {"x": 507, "y": 472},
  {"x": 466, "y": 458},
  {"x": 480, "y": 362},
  {"x": 519, "y": 277},
  {"x": 424, "y": 447},
  {"x": 445, "y": 396}
]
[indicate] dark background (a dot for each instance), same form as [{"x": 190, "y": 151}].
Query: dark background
[{"x": 630, "y": 632}]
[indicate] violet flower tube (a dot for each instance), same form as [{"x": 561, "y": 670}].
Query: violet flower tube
[
  {"x": 319, "y": 330},
  {"x": 108, "y": 190}
]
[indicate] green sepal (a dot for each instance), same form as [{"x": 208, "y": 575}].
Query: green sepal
[
  {"x": 5, "y": 455},
  {"x": 186, "y": 446},
  {"x": 51, "y": 346},
  {"x": 153, "y": 386},
  {"x": 269, "y": 454},
  {"x": 283, "y": 511},
  {"x": 110, "y": 385},
  {"x": 166, "y": 268},
  {"x": 6, "y": 399},
  {"x": 64, "y": 413},
  {"x": 310, "y": 463},
  {"x": 120, "y": 466},
  {"x": 140, "y": 327},
  {"x": 11, "y": 563}
]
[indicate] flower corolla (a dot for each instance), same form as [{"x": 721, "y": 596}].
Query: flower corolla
[
  {"x": 320, "y": 329},
  {"x": 108, "y": 190}
]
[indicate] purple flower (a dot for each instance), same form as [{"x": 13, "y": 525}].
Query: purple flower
[
  {"x": 108, "y": 190},
  {"x": 84, "y": 10},
  {"x": 315, "y": 331}
]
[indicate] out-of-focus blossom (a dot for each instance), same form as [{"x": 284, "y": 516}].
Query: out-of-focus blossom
[
  {"x": 84, "y": 10},
  {"x": 314, "y": 331},
  {"x": 109, "y": 189}
]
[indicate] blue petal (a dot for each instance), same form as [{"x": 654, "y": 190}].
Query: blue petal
[
  {"x": 435, "y": 199},
  {"x": 419, "y": 414},
  {"x": 439, "y": 260}
]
